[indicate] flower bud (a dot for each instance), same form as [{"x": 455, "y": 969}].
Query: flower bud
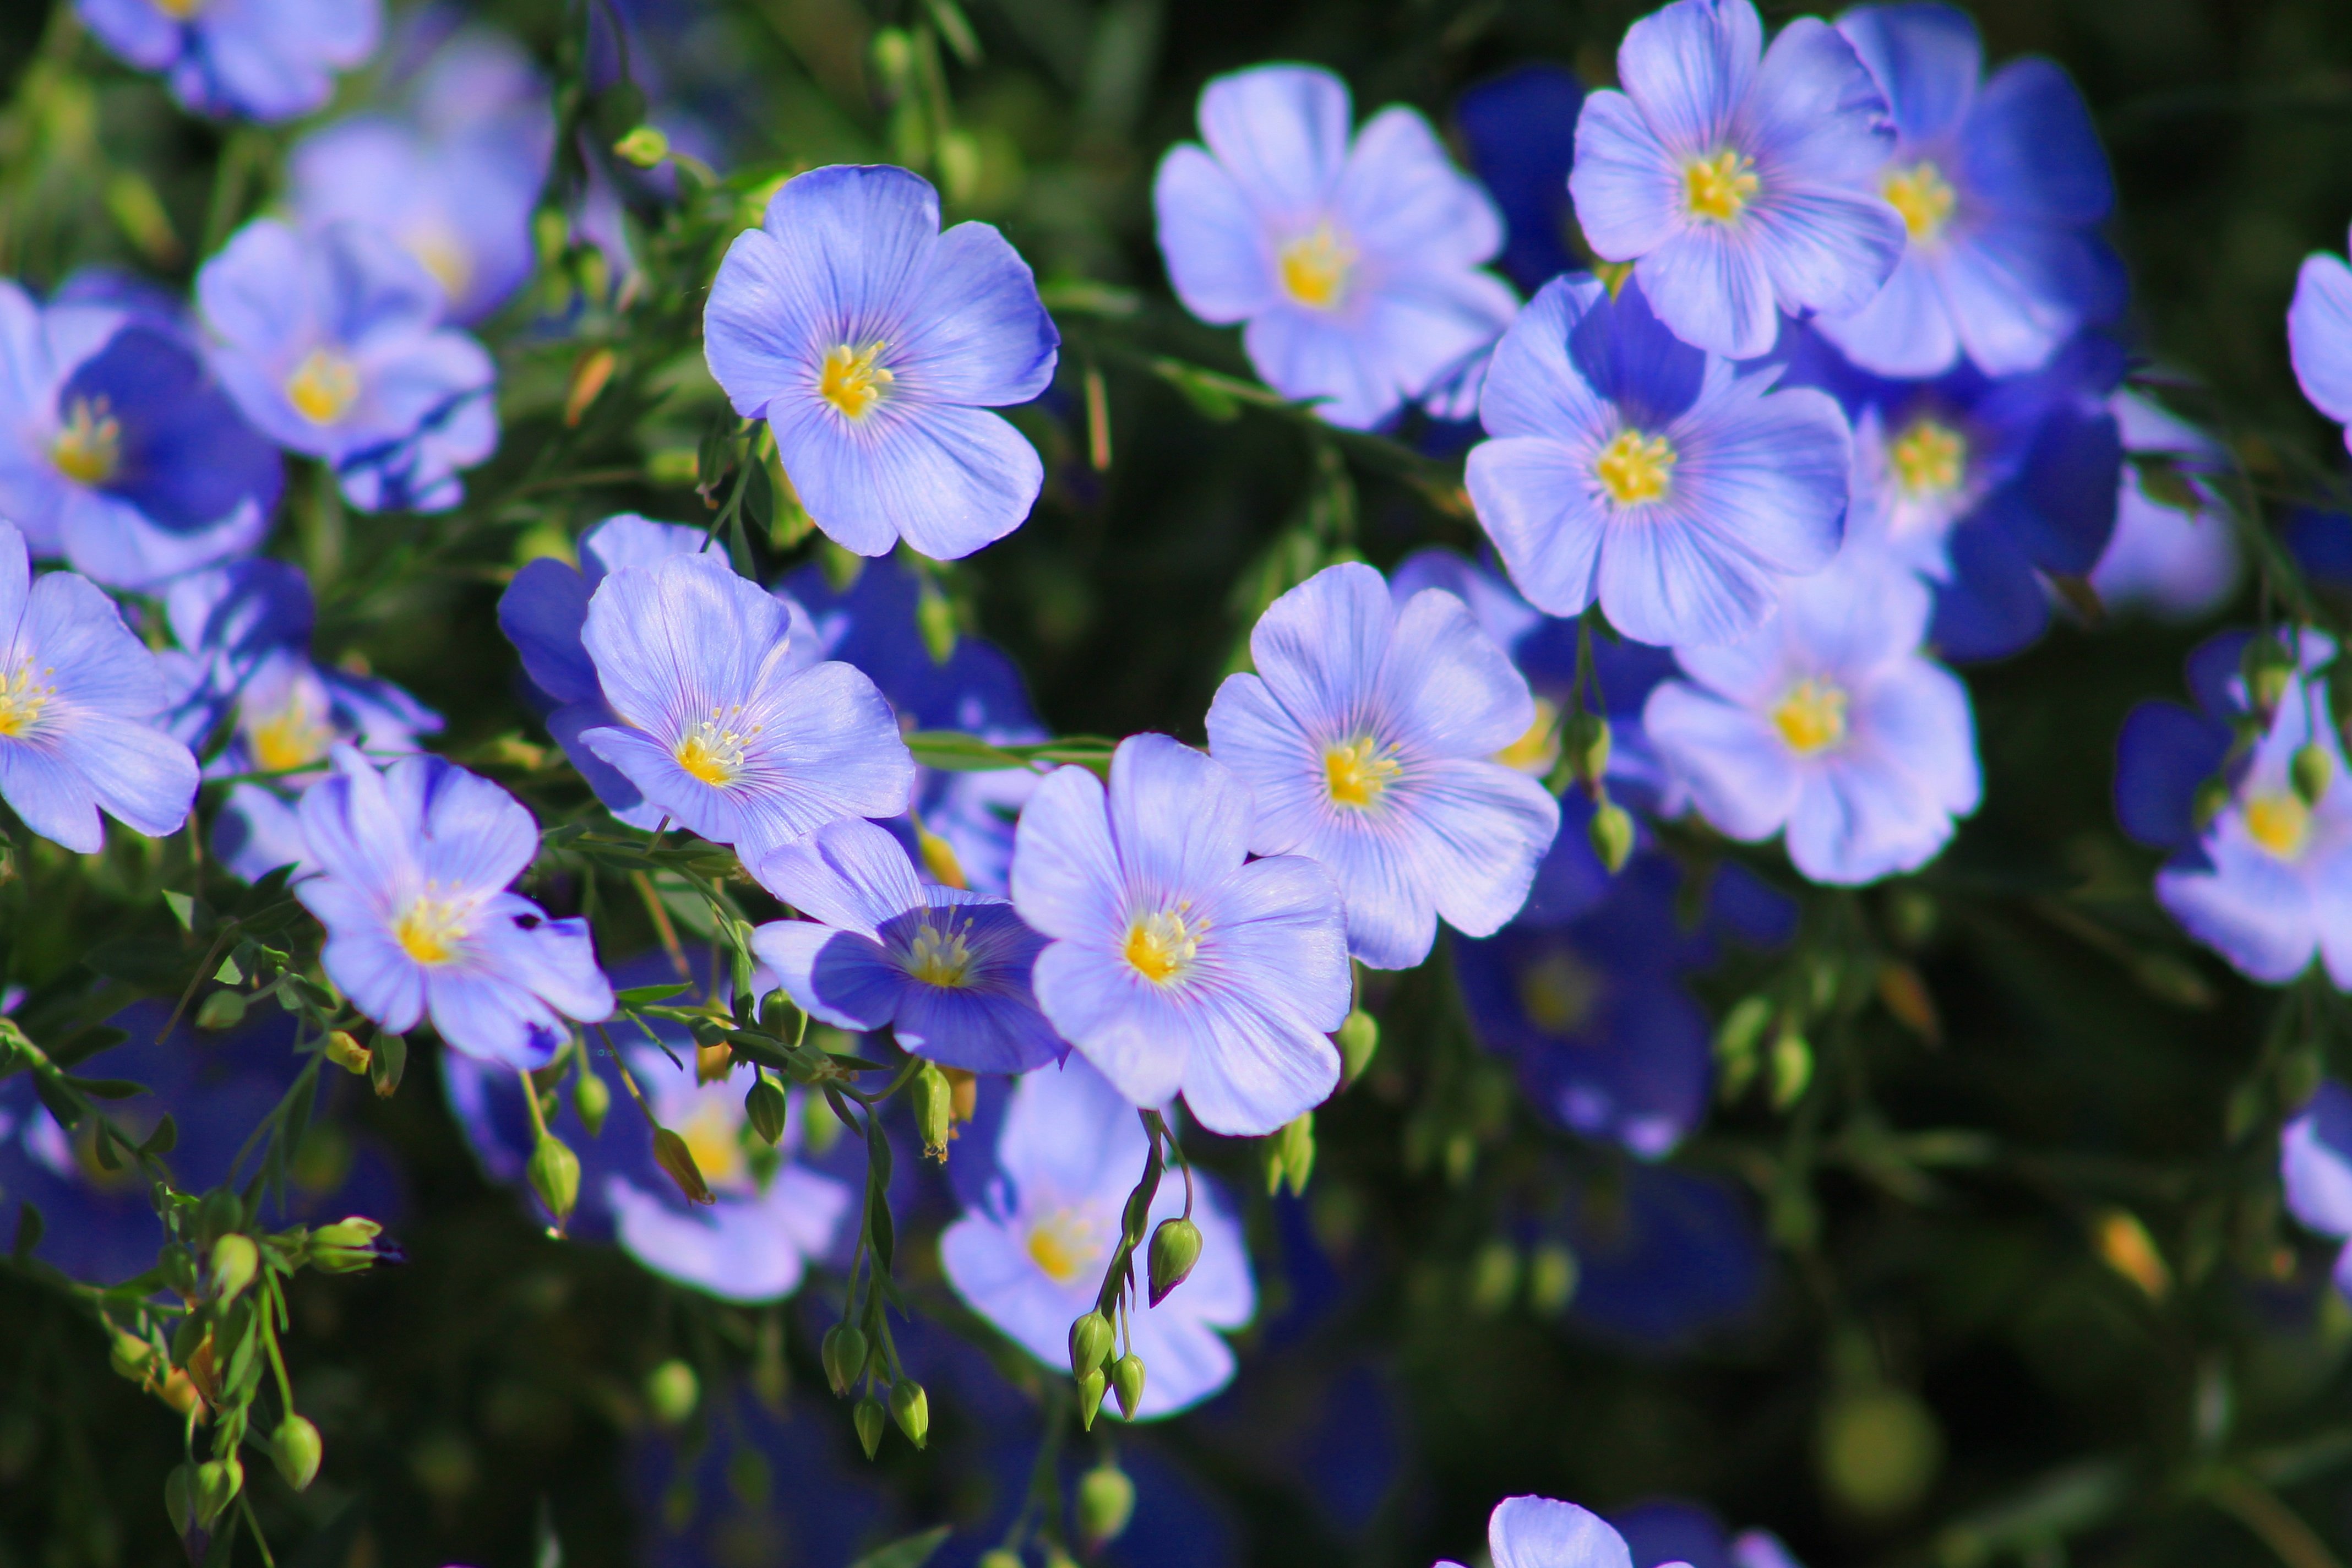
[
  {"x": 2313, "y": 771},
  {"x": 130, "y": 1356},
  {"x": 869, "y": 1420},
  {"x": 645, "y": 146},
  {"x": 1175, "y": 1247},
  {"x": 1106, "y": 1502},
  {"x": 997, "y": 1557},
  {"x": 180, "y": 1499},
  {"x": 1089, "y": 1343},
  {"x": 672, "y": 1390},
  {"x": 934, "y": 1105},
  {"x": 1126, "y": 1379},
  {"x": 1612, "y": 833},
  {"x": 555, "y": 1176},
  {"x": 764, "y": 1105},
  {"x": 1289, "y": 1157},
  {"x": 1792, "y": 1068},
  {"x": 386, "y": 1063},
  {"x": 221, "y": 1010},
  {"x": 349, "y": 1246},
  {"x": 1358, "y": 1038},
  {"x": 1552, "y": 1273},
  {"x": 911, "y": 1408},
  {"x": 296, "y": 1447},
  {"x": 235, "y": 1260},
  {"x": 671, "y": 1154},
  {"x": 216, "y": 1485},
  {"x": 1584, "y": 742},
  {"x": 343, "y": 1049},
  {"x": 1090, "y": 1397},
  {"x": 844, "y": 1354},
  {"x": 593, "y": 1098}
]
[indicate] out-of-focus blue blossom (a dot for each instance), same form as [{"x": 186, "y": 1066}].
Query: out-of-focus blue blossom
[
  {"x": 2315, "y": 1165},
  {"x": 100, "y": 1226},
  {"x": 1029, "y": 1258},
  {"x": 2001, "y": 185},
  {"x": 965, "y": 833},
  {"x": 2322, "y": 544},
  {"x": 1630, "y": 469},
  {"x": 1737, "y": 179},
  {"x": 451, "y": 168},
  {"x": 1597, "y": 1016},
  {"x": 767, "y": 1487},
  {"x": 2174, "y": 563},
  {"x": 331, "y": 343},
  {"x": 1540, "y": 1533},
  {"x": 1173, "y": 967},
  {"x": 718, "y": 725},
  {"x": 1366, "y": 736},
  {"x": 265, "y": 59},
  {"x": 946, "y": 971},
  {"x": 1663, "y": 1255},
  {"x": 1520, "y": 132},
  {"x": 1358, "y": 264},
  {"x": 122, "y": 453},
  {"x": 1668, "y": 1530},
  {"x": 2319, "y": 335},
  {"x": 1830, "y": 724},
  {"x": 81, "y": 709},
  {"x": 874, "y": 346},
  {"x": 413, "y": 865},
  {"x": 1984, "y": 487}
]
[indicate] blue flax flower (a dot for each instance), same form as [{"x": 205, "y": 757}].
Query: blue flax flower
[
  {"x": 1173, "y": 967},
  {"x": 2001, "y": 185},
  {"x": 2319, "y": 335},
  {"x": 266, "y": 59},
  {"x": 545, "y": 609},
  {"x": 1664, "y": 1255},
  {"x": 1029, "y": 1256},
  {"x": 947, "y": 972},
  {"x": 1358, "y": 264},
  {"x": 1520, "y": 132},
  {"x": 718, "y": 726},
  {"x": 331, "y": 343},
  {"x": 451, "y": 169},
  {"x": 122, "y": 453},
  {"x": 1366, "y": 739},
  {"x": 413, "y": 866},
  {"x": 1831, "y": 723},
  {"x": 82, "y": 705},
  {"x": 2178, "y": 562},
  {"x": 1668, "y": 1530},
  {"x": 1632, "y": 469},
  {"x": 874, "y": 346},
  {"x": 2315, "y": 1166},
  {"x": 1540, "y": 1533},
  {"x": 1734, "y": 179}
]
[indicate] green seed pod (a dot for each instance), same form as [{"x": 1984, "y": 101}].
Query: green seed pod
[
  {"x": 1106, "y": 1503},
  {"x": 1175, "y": 1247},
  {"x": 1089, "y": 1343},
  {"x": 347, "y": 1246},
  {"x": 180, "y": 1499},
  {"x": 672, "y": 1390},
  {"x": 235, "y": 1260},
  {"x": 870, "y": 1420},
  {"x": 1358, "y": 1038},
  {"x": 645, "y": 146},
  {"x": 1612, "y": 833},
  {"x": 764, "y": 1104},
  {"x": 593, "y": 1098},
  {"x": 217, "y": 1483},
  {"x": 1792, "y": 1068},
  {"x": 1126, "y": 1380},
  {"x": 221, "y": 1010},
  {"x": 2313, "y": 771},
  {"x": 555, "y": 1176},
  {"x": 844, "y": 1354},
  {"x": 1091, "y": 1388},
  {"x": 934, "y": 1103},
  {"x": 911, "y": 1408},
  {"x": 296, "y": 1448}
]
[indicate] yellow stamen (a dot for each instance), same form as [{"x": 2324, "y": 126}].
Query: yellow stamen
[
  {"x": 2280, "y": 823},
  {"x": 180, "y": 10},
  {"x": 1315, "y": 267},
  {"x": 712, "y": 1132},
  {"x": 853, "y": 380},
  {"x": 324, "y": 385},
  {"x": 1066, "y": 1245},
  {"x": 938, "y": 957},
  {"x": 1811, "y": 716},
  {"x": 711, "y": 752},
  {"x": 1357, "y": 773},
  {"x": 1718, "y": 188},
  {"x": 1924, "y": 198},
  {"x": 1634, "y": 468},
  {"x": 431, "y": 930},
  {"x": 296, "y": 736},
  {"x": 89, "y": 448},
  {"x": 1557, "y": 993},
  {"x": 1930, "y": 458},
  {"x": 1535, "y": 751},
  {"x": 22, "y": 698},
  {"x": 1162, "y": 947}
]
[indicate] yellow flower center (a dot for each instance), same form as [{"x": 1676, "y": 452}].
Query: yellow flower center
[
  {"x": 1535, "y": 751},
  {"x": 2280, "y": 823},
  {"x": 1315, "y": 267},
  {"x": 180, "y": 10},
  {"x": 1811, "y": 716},
  {"x": 1357, "y": 773},
  {"x": 444, "y": 255},
  {"x": 324, "y": 385},
  {"x": 1634, "y": 468},
  {"x": 22, "y": 698},
  {"x": 294, "y": 736},
  {"x": 89, "y": 448},
  {"x": 938, "y": 957},
  {"x": 1557, "y": 993},
  {"x": 1930, "y": 458},
  {"x": 431, "y": 930},
  {"x": 1720, "y": 187},
  {"x": 1066, "y": 1244},
  {"x": 712, "y": 1132},
  {"x": 711, "y": 752},
  {"x": 1162, "y": 947},
  {"x": 851, "y": 380},
  {"x": 1924, "y": 198}
]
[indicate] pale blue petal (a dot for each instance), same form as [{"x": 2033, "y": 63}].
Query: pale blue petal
[
  {"x": 1536, "y": 500},
  {"x": 1479, "y": 832},
  {"x": 1325, "y": 358},
  {"x": 1179, "y": 818},
  {"x": 1817, "y": 119},
  {"x": 2008, "y": 287},
  {"x": 1928, "y": 58},
  {"x": 733, "y": 1250},
  {"x": 1537, "y": 1533},
  {"x": 74, "y": 631},
  {"x": 1624, "y": 182},
  {"x": 490, "y": 1018},
  {"x": 946, "y": 479},
  {"x": 1280, "y": 131},
  {"x": 625, "y": 539},
  {"x": 1449, "y": 687},
  {"x": 2316, "y": 1161},
  {"x": 1905, "y": 330},
  {"x": 1861, "y": 817},
  {"x": 2248, "y": 906},
  {"x": 1128, "y": 1029},
  {"x": 142, "y": 776},
  {"x": 850, "y": 874},
  {"x": 1532, "y": 388},
  {"x": 1400, "y": 199},
  {"x": 1739, "y": 775},
  {"x": 1251, "y": 734},
  {"x": 673, "y": 641},
  {"x": 555, "y": 960},
  {"x": 2031, "y": 149},
  {"x": 975, "y": 332},
  {"x": 472, "y": 835},
  {"x": 1319, "y": 647},
  {"x": 1711, "y": 286},
  {"x": 1689, "y": 65},
  {"x": 1212, "y": 239},
  {"x": 1826, "y": 248},
  {"x": 1065, "y": 871},
  {"x": 2319, "y": 335},
  {"x": 51, "y": 796}
]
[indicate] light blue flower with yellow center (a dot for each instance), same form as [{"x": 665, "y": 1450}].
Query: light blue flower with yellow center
[{"x": 266, "y": 59}]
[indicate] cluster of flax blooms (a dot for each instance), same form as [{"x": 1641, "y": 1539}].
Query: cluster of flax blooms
[{"x": 1835, "y": 403}]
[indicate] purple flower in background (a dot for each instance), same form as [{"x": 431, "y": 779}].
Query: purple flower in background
[
  {"x": 1668, "y": 1530},
  {"x": 2001, "y": 185},
  {"x": 1538, "y": 1532},
  {"x": 1366, "y": 739},
  {"x": 1737, "y": 179},
  {"x": 2315, "y": 1166},
  {"x": 1664, "y": 1255},
  {"x": 948, "y": 971},
  {"x": 266, "y": 59},
  {"x": 81, "y": 701},
  {"x": 1830, "y": 724},
  {"x": 2177, "y": 561},
  {"x": 122, "y": 453},
  {"x": 1634, "y": 470},
  {"x": 451, "y": 169},
  {"x": 331, "y": 343},
  {"x": 413, "y": 866},
  {"x": 2319, "y": 335},
  {"x": 1029, "y": 1256},
  {"x": 718, "y": 726},
  {"x": 1358, "y": 264},
  {"x": 1520, "y": 132},
  {"x": 1174, "y": 966},
  {"x": 874, "y": 346}
]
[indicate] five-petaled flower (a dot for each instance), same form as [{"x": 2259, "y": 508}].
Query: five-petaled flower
[{"x": 267, "y": 59}]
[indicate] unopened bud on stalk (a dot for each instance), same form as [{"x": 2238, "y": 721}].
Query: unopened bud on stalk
[
  {"x": 1091, "y": 1388},
  {"x": 555, "y": 1176},
  {"x": 2312, "y": 770},
  {"x": 216, "y": 1485},
  {"x": 1106, "y": 1503},
  {"x": 1584, "y": 741},
  {"x": 672, "y": 1390},
  {"x": 235, "y": 1260},
  {"x": 869, "y": 1419},
  {"x": 1358, "y": 1038},
  {"x": 1126, "y": 1380},
  {"x": 1175, "y": 1247},
  {"x": 1089, "y": 1343},
  {"x": 593, "y": 1098},
  {"x": 934, "y": 1103},
  {"x": 911, "y": 1408},
  {"x": 295, "y": 1449},
  {"x": 672, "y": 1156},
  {"x": 765, "y": 1105},
  {"x": 844, "y": 1354},
  {"x": 1612, "y": 835},
  {"x": 351, "y": 1244}
]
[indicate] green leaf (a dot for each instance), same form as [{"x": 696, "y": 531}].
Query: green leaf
[
  {"x": 183, "y": 908},
  {"x": 106, "y": 1088},
  {"x": 163, "y": 1140},
  {"x": 912, "y": 1551},
  {"x": 646, "y": 995},
  {"x": 950, "y": 751}
]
